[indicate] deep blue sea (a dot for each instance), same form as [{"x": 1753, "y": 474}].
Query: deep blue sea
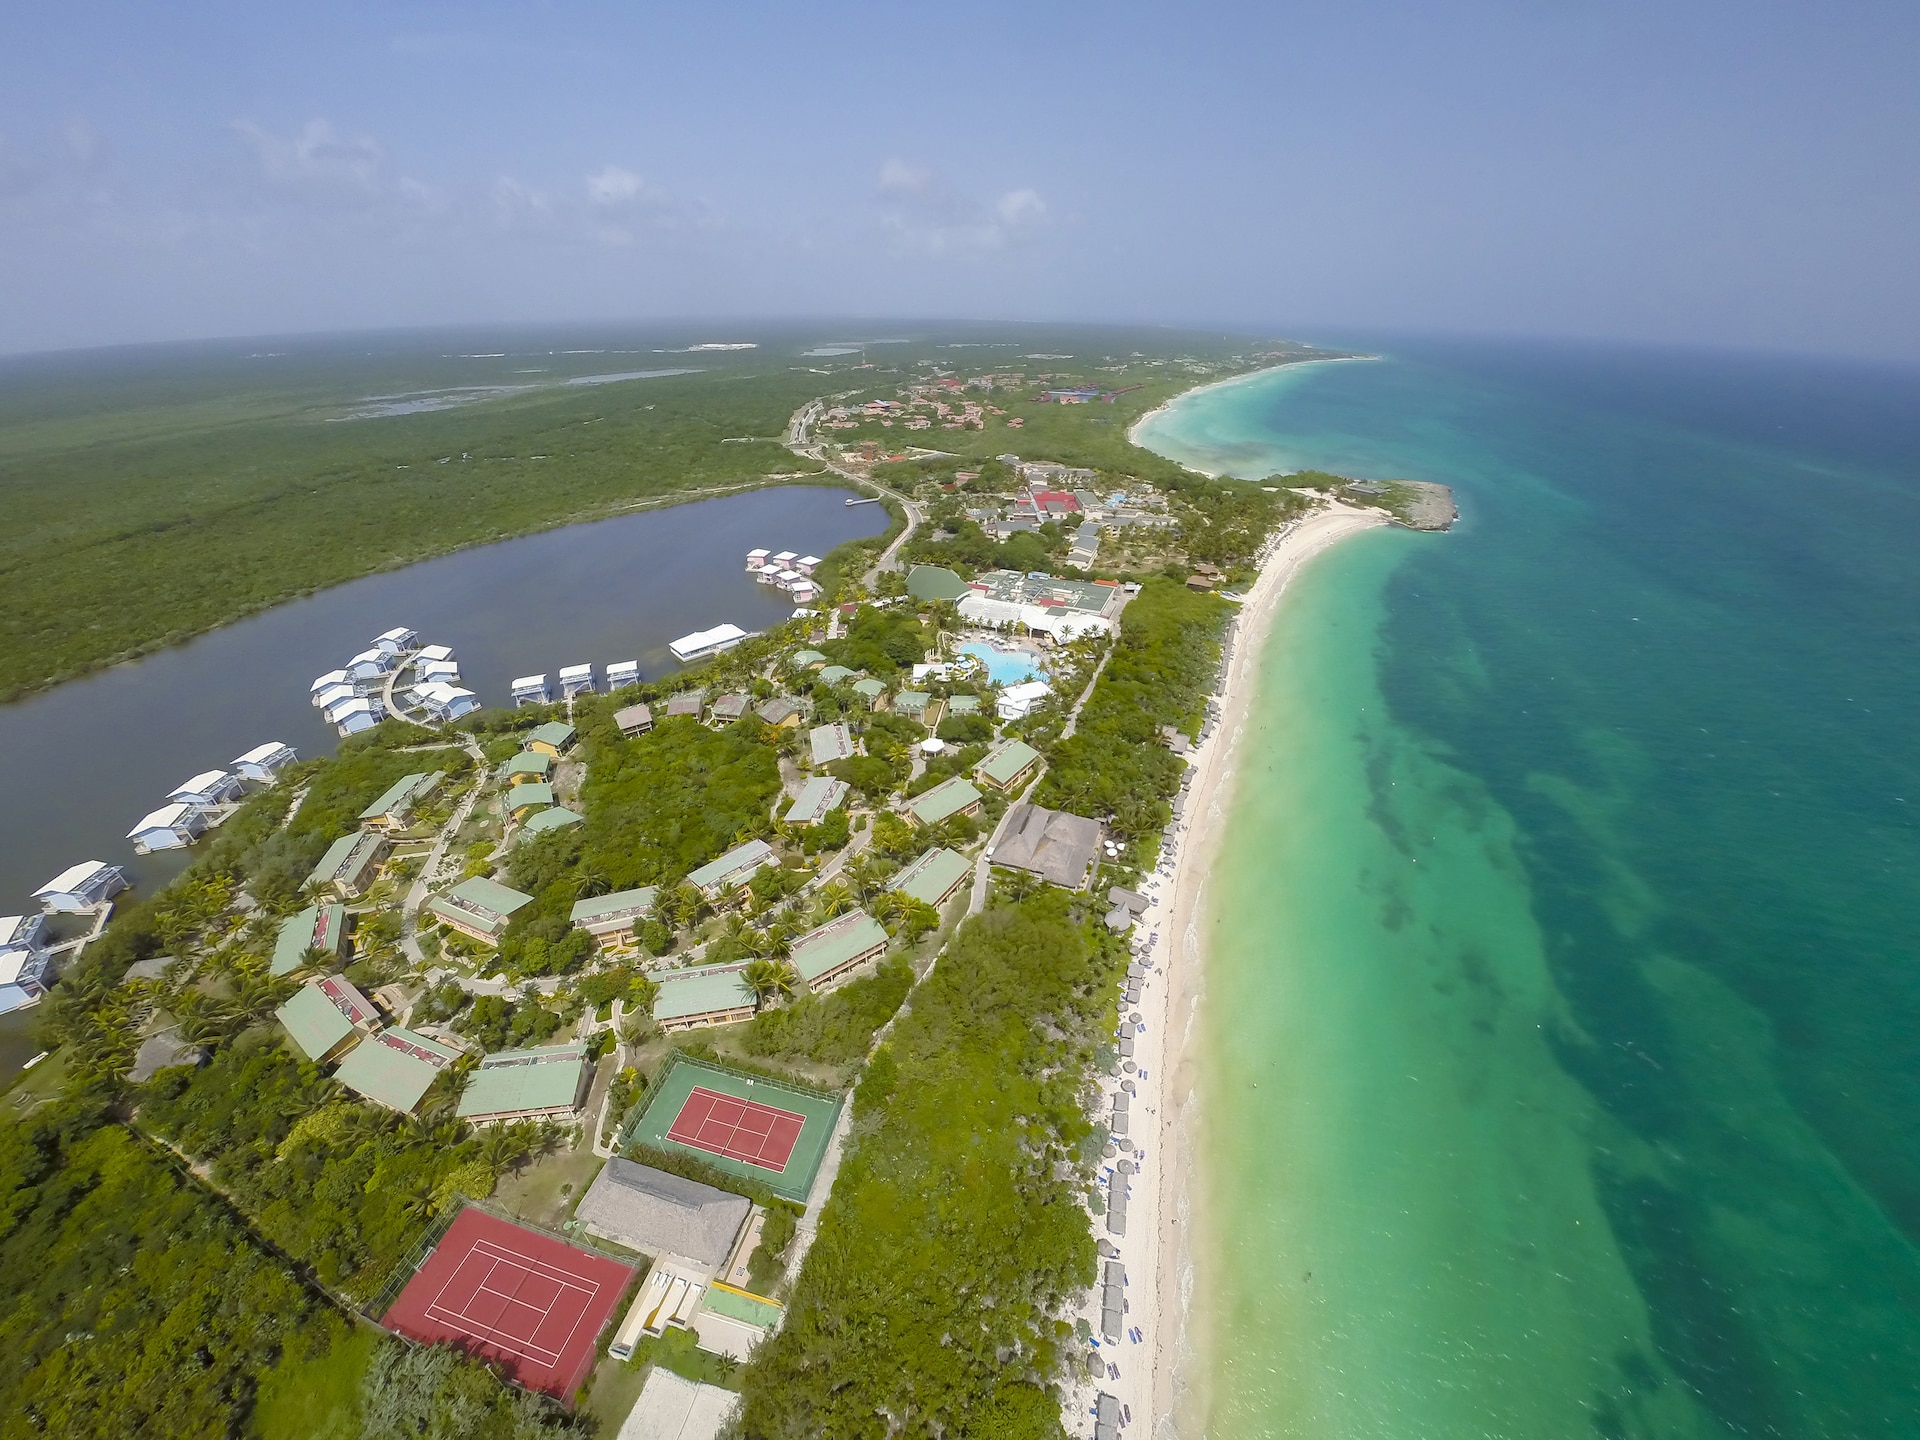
[{"x": 1574, "y": 928}]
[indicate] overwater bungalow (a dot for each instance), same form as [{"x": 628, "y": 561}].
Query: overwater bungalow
[
  {"x": 370, "y": 664},
  {"x": 434, "y": 655},
  {"x": 356, "y": 715},
  {"x": 756, "y": 559},
  {"x": 335, "y": 695},
  {"x": 576, "y": 680},
  {"x": 530, "y": 690},
  {"x": 25, "y": 965},
  {"x": 785, "y": 558},
  {"x": 171, "y": 827},
  {"x": 444, "y": 702},
  {"x": 623, "y": 672},
  {"x": 332, "y": 680},
  {"x": 397, "y": 640},
  {"x": 702, "y": 643},
  {"x": 265, "y": 762},
  {"x": 807, "y": 564},
  {"x": 209, "y": 787},
  {"x": 443, "y": 671},
  {"x": 81, "y": 888}
]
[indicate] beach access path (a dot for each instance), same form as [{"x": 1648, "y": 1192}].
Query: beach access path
[{"x": 1160, "y": 1379}]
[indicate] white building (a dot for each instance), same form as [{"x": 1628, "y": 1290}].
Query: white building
[
  {"x": 1016, "y": 702},
  {"x": 756, "y": 559},
  {"x": 623, "y": 672},
  {"x": 443, "y": 671},
  {"x": 332, "y": 680},
  {"x": 446, "y": 702},
  {"x": 335, "y": 695},
  {"x": 530, "y": 690},
  {"x": 785, "y": 558},
  {"x": 576, "y": 680},
  {"x": 80, "y": 888},
  {"x": 397, "y": 640},
  {"x": 209, "y": 787},
  {"x": 370, "y": 664},
  {"x": 434, "y": 655},
  {"x": 703, "y": 643},
  {"x": 356, "y": 715},
  {"x": 25, "y": 964},
  {"x": 265, "y": 762},
  {"x": 169, "y": 828},
  {"x": 807, "y": 564}
]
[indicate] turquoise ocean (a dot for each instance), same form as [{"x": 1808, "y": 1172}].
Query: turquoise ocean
[{"x": 1562, "y": 1033}]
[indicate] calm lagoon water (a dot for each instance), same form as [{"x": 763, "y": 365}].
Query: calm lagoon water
[
  {"x": 93, "y": 756},
  {"x": 1565, "y": 1015}
]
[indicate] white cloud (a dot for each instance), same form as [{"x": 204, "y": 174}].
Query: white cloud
[
  {"x": 515, "y": 204},
  {"x": 612, "y": 186},
  {"x": 897, "y": 177},
  {"x": 318, "y": 157},
  {"x": 921, "y": 213}
]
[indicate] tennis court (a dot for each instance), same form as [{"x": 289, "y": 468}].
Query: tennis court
[
  {"x": 527, "y": 1302},
  {"x": 748, "y": 1126}
]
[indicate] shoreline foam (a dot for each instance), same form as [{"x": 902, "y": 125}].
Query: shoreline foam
[
  {"x": 1133, "y": 430},
  {"x": 1171, "y": 1392}
]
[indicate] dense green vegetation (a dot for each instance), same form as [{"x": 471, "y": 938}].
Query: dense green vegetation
[
  {"x": 1116, "y": 763},
  {"x": 953, "y": 1238},
  {"x": 833, "y": 1029}
]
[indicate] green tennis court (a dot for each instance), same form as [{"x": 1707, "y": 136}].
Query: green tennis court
[{"x": 748, "y": 1126}]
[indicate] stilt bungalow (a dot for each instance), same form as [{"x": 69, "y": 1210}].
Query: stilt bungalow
[
  {"x": 444, "y": 702},
  {"x": 807, "y": 564},
  {"x": 81, "y": 888},
  {"x": 370, "y": 664},
  {"x": 702, "y": 643},
  {"x": 357, "y": 715},
  {"x": 443, "y": 672},
  {"x": 434, "y": 655},
  {"x": 335, "y": 695},
  {"x": 332, "y": 680},
  {"x": 208, "y": 788},
  {"x": 397, "y": 640},
  {"x": 530, "y": 690},
  {"x": 546, "y": 1083},
  {"x": 265, "y": 762},
  {"x": 171, "y": 827},
  {"x": 478, "y": 908},
  {"x": 756, "y": 559},
  {"x": 25, "y": 965},
  {"x": 634, "y": 720},
  {"x": 576, "y": 680},
  {"x": 621, "y": 673}
]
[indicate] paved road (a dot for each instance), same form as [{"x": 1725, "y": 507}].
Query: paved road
[
  {"x": 801, "y": 442},
  {"x": 430, "y": 868}
]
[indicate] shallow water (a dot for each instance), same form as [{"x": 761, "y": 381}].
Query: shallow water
[{"x": 1564, "y": 1015}]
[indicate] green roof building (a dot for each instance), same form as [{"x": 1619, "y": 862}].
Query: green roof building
[
  {"x": 529, "y": 765},
  {"x": 945, "y": 800},
  {"x": 478, "y": 907},
  {"x": 522, "y": 798},
  {"x": 818, "y": 798},
  {"x": 610, "y": 918},
  {"x": 830, "y": 743},
  {"x": 1007, "y": 764},
  {"x": 351, "y": 863},
  {"x": 391, "y": 810},
  {"x": 826, "y": 955},
  {"x": 736, "y": 867},
  {"x": 807, "y": 659},
  {"x": 704, "y": 995},
  {"x": 963, "y": 705},
  {"x": 544, "y": 1083},
  {"x": 933, "y": 878},
  {"x": 318, "y": 1023},
  {"x": 936, "y": 582},
  {"x": 394, "y": 1068},
  {"x": 318, "y": 927},
  {"x": 870, "y": 688},
  {"x": 836, "y": 675},
  {"x": 553, "y": 738},
  {"x": 912, "y": 702},
  {"x": 558, "y": 818}
]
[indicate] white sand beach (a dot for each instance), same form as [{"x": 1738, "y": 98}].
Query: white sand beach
[{"x": 1160, "y": 1378}]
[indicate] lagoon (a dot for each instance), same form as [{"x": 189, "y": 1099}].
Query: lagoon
[{"x": 90, "y": 757}]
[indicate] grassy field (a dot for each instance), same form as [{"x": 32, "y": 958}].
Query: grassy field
[
  {"x": 315, "y": 1399},
  {"x": 155, "y": 493}
]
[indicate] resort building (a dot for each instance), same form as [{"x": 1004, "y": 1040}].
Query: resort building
[
  {"x": 265, "y": 762},
  {"x": 530, "y": 690},
  {"x": 807, "y": 564},
  {"x": 1064, "y": 609},
  {"x": 681, "y": 1223},
  {"x": 395, "y": 1068},
  {"x": 370, "y": 664},
  {"x": 622, "y": 673},
  {"x": 956, "y": 796},
  {"x": 1008, "y": 765},
  {"x": 397, "y": 640},
  {"x": 808, "y": 660},
  {"x": 1086, "y": 545},
  {"x": 736, "y": 867},
  {"x": 80, "y": 888},
  {"x": 689, "y": 703},
  {"x": 729, "y": 708},
  {"x": 25, "y": 964},
  {"x": 318, "y": 927},
  {"x": 434, "y": 655},
  {"x": 829, "y": 953},
  {"x": 870, "y": 690},
  {"x": 610, "y": 919},
  {"x": 576, "y": 680},
  {"x": 208, "y": 788},
  {"x": 1058, "y": 847},
  {"x": 830, "y": 743},
  {"x": 705, "y": 995},
  {"x": 546, "y": 1083},
  {"x": 444, "y": 701},
  {"x": 912, "y": 703},
  {"x": 936, "y": 582},
  {"x": 556, "y": 818},
  {"x": 963, "y": 705},
  {"x": 634, "y": 720},
  {"x": 703, "y": 643},
  {"x": 325, "y": 1017},
  {"x": 169, "y": 828},
  {"x": 783, "y": 712},
  {"x": 934, "y": 877},
  {"x": 478, "y": 908},
  {"x": 393, "y": 810},
  {"x": 1016, "y": 702},
  {"x": 523, "y": 800},
  {"x": 353, "y": 716},
  {"x": 529, "y": 766},
  {"x": 329, "y": 682},
  {"x": 554, "y": 738},
  {"x": 351, "y": 863},
  {"x": 757, "y": 560},
  {"x": 818, "y": 798},
  {"x": 836, "y": 675}
]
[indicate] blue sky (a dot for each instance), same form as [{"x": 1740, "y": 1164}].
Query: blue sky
[{"x": 1727, "y": 174}]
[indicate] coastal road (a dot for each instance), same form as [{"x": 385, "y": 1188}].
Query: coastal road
[{"x": 801, "y": 442}]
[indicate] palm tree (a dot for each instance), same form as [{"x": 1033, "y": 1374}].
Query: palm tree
[
  {"x": 835, "y": 899},
  {"x": 771, "y": 979},
  {"x": 590, "y": 880}
]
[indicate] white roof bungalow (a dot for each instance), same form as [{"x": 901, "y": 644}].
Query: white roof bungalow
[
  {"x": 1016, "y": 702},
  {"x": 335, "y": 695},
  {"x": 332, "y": 680},
  {"x": 209, "y": 787},
  {"x": 169, "y": 828},
  {"x": 370, "y": 664},
  {"x": 623, "y": 672},
  {"x": 444, "y": 671},
  {"x": 706, "y": 642},
  {"x": 265, "y": 762},
  {"x": 447, "y": 702},
  {"x": 530, "y": 690},
  {"x": 769, "y": 574},
  {"x": 397, "y": 639},
  {"x": 807, "y": 564},
  {"x": 24, "y": 962},
  {"x": 786, "y": 558},
  {"x": 434, "y": 655},
  {"x": 757, "y": 558},
  {"x": 356, "y": 715},
  {"x": 576, "y": 680},
  {"x": 86, "y": 886}
]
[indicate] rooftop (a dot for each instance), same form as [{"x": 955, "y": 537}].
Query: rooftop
[
  {"x": 935, "y": 582},
  {"x": 930, "y": 877},
  {"x": 817, "y": 799},
  {"x": 314, "y": 1023},
  {"x": 1058, "y": 847},
  {"x": 547, "y": 1078},
  {"x": 946, "y": 799},
  {"x": 702, "y": 990},
  {"x": 317, "y": 927},
  {"x": 557, "y": 818},
  {"x": 734, "y": 866},
  {"x": 830, "y": 743},
  {"x": 1006, "y": 760},
  {"x": 556, "y": 733},
  {"x": 829, "y": 946},
  {"x": 619, "y": 905},
  {"x": 482, "y": 896},
  {"x": 661, "y": 1214},
  {"x": 395, "y": 1068}
]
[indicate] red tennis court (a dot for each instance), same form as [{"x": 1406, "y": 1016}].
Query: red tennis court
[
  {"x": 523, "y": 1300},
  {"x": 738, "y": 1129}
]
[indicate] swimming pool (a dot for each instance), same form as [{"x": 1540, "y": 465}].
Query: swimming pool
[{"x": 1004, "y": 667}]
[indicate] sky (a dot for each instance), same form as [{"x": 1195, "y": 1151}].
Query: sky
[{"x": 1736, "y": 175}]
